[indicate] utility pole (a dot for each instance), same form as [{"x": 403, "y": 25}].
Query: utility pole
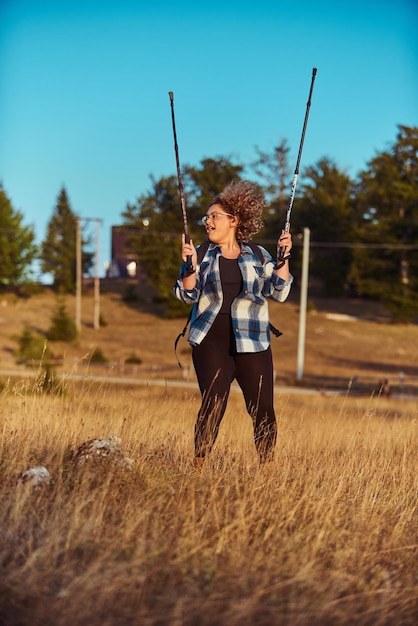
[
  {"x": 303, "y": 304},
  {"x": 96, "y": 315},
  {"x": 78, "y": 276},
  {"x": 96, "y": 279}
]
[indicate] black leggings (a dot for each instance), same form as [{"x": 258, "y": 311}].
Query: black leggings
[{"x": 217, "y": 364}]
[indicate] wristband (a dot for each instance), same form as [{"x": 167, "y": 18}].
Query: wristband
[{"x": 281, "y": 261}]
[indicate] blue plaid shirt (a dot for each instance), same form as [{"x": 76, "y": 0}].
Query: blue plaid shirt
[{"x": 249, "y": 310}]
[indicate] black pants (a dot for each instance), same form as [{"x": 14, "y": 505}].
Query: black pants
[{"x": 217, "y": 364}]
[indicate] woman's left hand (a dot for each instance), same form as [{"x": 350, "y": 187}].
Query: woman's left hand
[{"x": 285, "y": 242}]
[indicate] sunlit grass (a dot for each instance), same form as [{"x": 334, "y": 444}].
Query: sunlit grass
[{"x": 327, "y": 535}]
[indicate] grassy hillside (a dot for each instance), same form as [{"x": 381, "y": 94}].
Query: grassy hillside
[{"x": 357, "y": 344}]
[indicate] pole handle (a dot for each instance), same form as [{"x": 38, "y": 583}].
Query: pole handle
[{"x": 189, "y": 260}]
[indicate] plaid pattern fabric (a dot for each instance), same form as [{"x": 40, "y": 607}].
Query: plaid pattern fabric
[{"x": 249, "y": 311}]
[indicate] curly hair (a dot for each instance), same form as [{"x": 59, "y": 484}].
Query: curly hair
[{"x": 244, "y": 200}]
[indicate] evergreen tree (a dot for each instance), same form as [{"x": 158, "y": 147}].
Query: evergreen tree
[
  {"x": 326, "y": 207},
  {"x": 58, "y": 254},
  {"x": 59, "y": 247},
  {"x": 387, "y": 213},
  {"x": 17, "y": 248},
  {"x": 33, "y": 347},
  {"x": 63, "y": 327}
]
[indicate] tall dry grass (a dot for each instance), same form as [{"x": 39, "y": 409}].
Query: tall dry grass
[{"x": 327, "y": 536}]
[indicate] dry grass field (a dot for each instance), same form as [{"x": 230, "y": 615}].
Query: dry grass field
[{"x": 326, "y": 536}]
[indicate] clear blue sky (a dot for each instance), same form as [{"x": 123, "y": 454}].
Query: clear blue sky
[{"x": 84, "y": 91}]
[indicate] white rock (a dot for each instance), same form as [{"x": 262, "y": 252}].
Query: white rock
[
  {"x": 101, "y": 448},
  {"x": 34, "y": 476}
]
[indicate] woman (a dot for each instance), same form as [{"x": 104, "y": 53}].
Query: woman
[{"x": 229, "y": 329}]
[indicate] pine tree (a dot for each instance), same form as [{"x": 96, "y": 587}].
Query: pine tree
[
  {"x": 58, "y": 254},
  {"x": 386, "y": 204},
  {"x": 17, "y": 248},
  {"x": 63, "y": 327},
  {"x": 59, "y": 248},
  {"x": 326, "y": 208}
]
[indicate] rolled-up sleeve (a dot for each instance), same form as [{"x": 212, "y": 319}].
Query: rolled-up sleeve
[
  {"x": 188, "y": 296},
  {"x": 280, "y": 287},
  {"x": 275, "y": 288}
]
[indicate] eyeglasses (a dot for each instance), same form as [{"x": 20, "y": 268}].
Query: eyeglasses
[{"x": 214, "y": 216}]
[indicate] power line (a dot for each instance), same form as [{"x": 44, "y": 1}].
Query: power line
[
  {"x": 345, "y": 244},
  {"x": 381, "y": 246}
]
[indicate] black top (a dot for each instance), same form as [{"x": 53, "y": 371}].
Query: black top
[{"x": 231, "y": 280}]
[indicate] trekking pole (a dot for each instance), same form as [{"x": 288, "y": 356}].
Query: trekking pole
[
  {"x": 189, "y": 264},
  {"x": 281, "y": 258}
]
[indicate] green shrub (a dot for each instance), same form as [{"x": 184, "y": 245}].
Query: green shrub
[
  {"x": 32, "y": 347},
  {"x": 63, "y": 327},
  {"x": 133, "y": 359},
  {"x": 97, "y": 356},
  {"x": 30, "y": 288}
]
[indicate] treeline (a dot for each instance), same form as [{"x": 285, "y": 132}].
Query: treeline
[
  {"x": 364, "y": 231},
  {"x": 56, "y": 254}
]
